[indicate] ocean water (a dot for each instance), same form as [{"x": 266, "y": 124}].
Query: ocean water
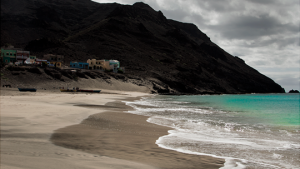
[{"x": 248, "y": 131}]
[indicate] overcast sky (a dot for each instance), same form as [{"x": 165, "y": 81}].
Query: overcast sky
[{"x": 265, "y": 33}]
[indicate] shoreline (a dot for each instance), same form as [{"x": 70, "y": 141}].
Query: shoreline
[
  {"x": 120, "y": 140},
  {"x": 118, "y": 134}
]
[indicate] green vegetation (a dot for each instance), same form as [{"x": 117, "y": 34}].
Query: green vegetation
[
  {"x": 108, "y": 70},
  {"x": 120, "y": 71},
  {"x": 44, "y": 64},
  {"x": 75, "y": 77}
]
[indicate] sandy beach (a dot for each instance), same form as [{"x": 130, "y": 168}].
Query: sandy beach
[{"x": 50, "y": 129}]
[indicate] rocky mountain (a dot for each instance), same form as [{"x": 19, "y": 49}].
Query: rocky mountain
[
  {"x": 293, "y": 91},
  {"x": 174, "y": 57}
]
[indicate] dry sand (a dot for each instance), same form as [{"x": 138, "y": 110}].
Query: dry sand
[{"x": 56, "y": 130}]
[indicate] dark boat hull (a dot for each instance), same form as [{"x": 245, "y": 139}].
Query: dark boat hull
[
  {"x": 67, "y": 90},
  {"x": 89, "y": 91},
  {"x": 27, "y": 89}
]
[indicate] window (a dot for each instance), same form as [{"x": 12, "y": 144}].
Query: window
[{"x": 80, "y": 65}]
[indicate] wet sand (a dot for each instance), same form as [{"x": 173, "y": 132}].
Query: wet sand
[
  {"x": 126, "y": 136},
  {"x": 55, "y": 130}
]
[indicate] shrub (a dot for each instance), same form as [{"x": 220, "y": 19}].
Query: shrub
[
  {"x": 108, "y": 70},
  {"x": 120, "y": 71},
  {"x": 75, "y": 77},
  {"x": 44, "y": 64}
]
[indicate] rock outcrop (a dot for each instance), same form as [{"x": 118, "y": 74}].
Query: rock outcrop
[{"x": 293, "y": 91}]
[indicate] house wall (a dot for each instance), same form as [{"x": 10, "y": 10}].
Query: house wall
[
  {"x": 39, "y": 61},
  {"x": 115, "y": 65},
  {"x": 6, "y": 59},
  {"x": 32, "y": 57},
  {"x": 80, "y": 65},
  {"x": 104, "y": 64},
  {"x": 52, "y": 57},
  {"x": 55, "y": 64},
  {"x": 114, "y": 62},
  {"x": 32, "y": 61},
  {"x": 8, "y": 55},
  {"x": 95, "y": 64},
  {"x": 58, "y": 64},
  {"x": 22, "y": 55}
]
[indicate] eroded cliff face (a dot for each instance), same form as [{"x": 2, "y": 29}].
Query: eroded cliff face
[{"x": 174, "y": 57}]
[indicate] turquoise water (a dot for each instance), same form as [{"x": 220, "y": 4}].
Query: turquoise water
[
  {"x": 273, "y": 109},
  {"x": 248, "y": 131}
]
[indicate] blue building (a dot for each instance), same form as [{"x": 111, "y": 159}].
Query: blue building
[{"x": 79, "y": 65}]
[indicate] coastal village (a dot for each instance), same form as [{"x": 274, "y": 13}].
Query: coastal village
[{"x": 17, "y": 56}]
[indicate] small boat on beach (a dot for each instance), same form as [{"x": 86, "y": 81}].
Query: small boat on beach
[
  {"x": 89, "y": 91},
  {"x": 80, "y": 90},
  {"x": 67, "y": 90},
  {"x": 27, "y": 89}
]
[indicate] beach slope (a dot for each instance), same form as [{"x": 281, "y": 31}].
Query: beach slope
[{"x": 55, "y": 130}]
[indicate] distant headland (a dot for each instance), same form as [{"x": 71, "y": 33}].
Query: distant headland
[{"x": 293, "y": 91}]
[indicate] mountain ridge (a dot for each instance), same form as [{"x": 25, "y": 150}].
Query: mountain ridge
[{"x": 179, "y": 56}]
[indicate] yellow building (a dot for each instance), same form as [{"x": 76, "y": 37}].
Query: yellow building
[
  {"x": 96, "y": 64},
  {"x": 55, "y": 64},
  {"x": 103, "y": 64}
]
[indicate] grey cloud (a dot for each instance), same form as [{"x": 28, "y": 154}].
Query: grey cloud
[
  {"x": 289, "y": 83},
  {"x": 177, "y": 13},
  {"x": 223, "y": 6},
  {"x": 260, "y": 62},
  {"x": 264, "y": 1},
  {"x": 271, "y": 60},
  {"x": 280, "y": 42},
  {"x": 285, "y": 61},
  {"x": 236, "y": 25},
  {"x": 199, "y": 20},
  {"x": 251, "y": 27},
  {"x": 289, "y": 80},
  {"x": 291, "y": 41}
]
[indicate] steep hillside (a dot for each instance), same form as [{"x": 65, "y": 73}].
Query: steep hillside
[{"x": 174, "y": 57}]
